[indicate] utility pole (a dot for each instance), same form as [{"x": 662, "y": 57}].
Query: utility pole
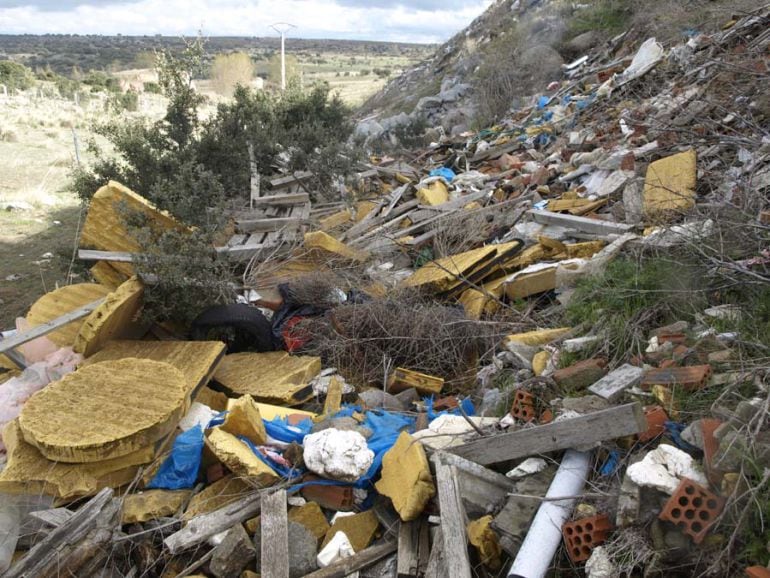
[{"x": 282, "y": 28}]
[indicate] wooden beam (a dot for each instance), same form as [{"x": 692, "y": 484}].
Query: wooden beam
[
  {"x": 480, "y": 488},
  {"x": 118, "y": 256},
  {"x": 20, "y": 338},
  {"x": 268, "y": 225},
  {"x": 453, "y": 523},
  {"x": 282, "y": 200},
  {"x": 289, "y": 180},
  {"x": 275, "y": 535},
  {"x": 582, "y": 431},
  {"x": 202, "y": 527},
  {"x": 413, "y": 548},
  {"x": 356, "y": 562},
  {"x": 584, "y": 224},
  {"x": 436, "y": 566}
]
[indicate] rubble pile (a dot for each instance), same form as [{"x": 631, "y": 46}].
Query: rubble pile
[{"x": 349, "y": 416}]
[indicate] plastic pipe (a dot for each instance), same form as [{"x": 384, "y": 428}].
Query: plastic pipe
[{"x": 542, "y": 540}]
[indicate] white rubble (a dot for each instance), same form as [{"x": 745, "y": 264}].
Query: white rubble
[
  {"x": 198, "y": 414},
  {"x": 450, "y": 430},
  {"x": 599, "y": 564},
  {"x": 664, "y": 467},
  {"x": 338, "y": 548},
  {"x": 337, "y": 454},
  {"x": 527, "y": 468}
]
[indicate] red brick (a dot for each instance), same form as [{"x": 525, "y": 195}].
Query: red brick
[
  {"x": 523, "y": 407},
  {"x": 656, "y": 423},
  {"x": 338, "y": 498},
  {"x": 757, "y": 572},
  {"x": 675, "y": 338},
  {"x": 445, "y": 403},
  {"x": 691, "y": 378},
  {"x": 693, "y": 509},
  {"x": 582, "y": 536},
  {"x": 581, "y": 374}
]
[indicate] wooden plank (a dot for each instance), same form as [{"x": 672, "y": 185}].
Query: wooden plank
[
  {"x": 584, "y": 224},
  {"x": 366, "y": 224},
  {"x": 413, "y": 548},
  {"x": 290, "y": 180},
  {"x": 356, "y": 562},
  {"x": 275, "y": 535},
  {"x": 582, "y": 431},
  {"x": 202, "y": 527},
  {"x": 436, "y": 564},
  {"x": 268, "y": 225},
  {"x": 118, "y": 256},
  {"x": 20, "y": 338},
  {"x": 480, "y": 488},
  {"x": 54, "y": 517},
  {"x": 395, "y": 198},
  {"x": 254, "y": 178},
  {"x": 453, "y": 523},
  {"x": 236, "y": 240},
  {"x": 49, "y": 552},
  {"x": 612, "y": 385}
]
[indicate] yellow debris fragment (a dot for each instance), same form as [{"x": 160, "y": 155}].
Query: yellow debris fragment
[
  {"x": 527, "y": 283},
  {"x": 406, "y": 477},
  {"x": 243, "y": 419},
  {"x": 333, "y": 396},
  {"x": 27, "y": 471},
  {"x": 216, "y": 400},
  {"x": 402, "y": 379},
  {"x": 473, "y": 302},
  {"x": 239, "y": 458},
  {"x": 270, "y": 412},
  {"x": 484, "y": 538},
  {"x": 272, "y": 377},
  {"x": 105, "y": 410},
  {"x": 217, "y": 495},
  {"x": 312, "y": 517},
  {"x": 328, "y": 246},
  {"x": 363, "y": 208},
  {"x": 442, "y": 273},
  {"x": 359, "y": 528},
  {"x": 436, "y": 193},
  {"x": 114, "y": 318},
  {"x": 670, "y": 184},
  {"x": 62, "y": 301},
  {"x": 540, "y": 362},
  {"x": 538, "y": 337},
  {"x": 152, "y": 504},
  {"x": 335, "y": 220}
]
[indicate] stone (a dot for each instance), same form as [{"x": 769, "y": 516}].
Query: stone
[
  {"x": 580, "y": 375},
  {"x": 406, "y": 477},
  {"x": 233, "y": 554},
  {"x": 376, "y": 398},
  {"x": 676, "y": 327},
  {"x": 359, "y": 528},
  {"x": 105, "y": 410},
  {"x": 664, "y": 467},
  {"x": 337, "y": 454},
  {"x": 311, "y": 517},
  {"x": 583, "y": 42},
  {"x": 584, "y": 404},
  {"x": 599, "y": 565},
  {"x": 153, "y": 504},
  {"x": 338, "y": 548},
  {"x": 239, "y": 458},
  {"x": 450, "y": 430},
  {"x": 303, "y": 549},
  {"x": 224, "y": 491},
  {"x": 243, "y": 419},
  {"x": 342, "y": 424}
]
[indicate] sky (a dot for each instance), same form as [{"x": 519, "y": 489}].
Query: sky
[{"x": 422, "y": 21}]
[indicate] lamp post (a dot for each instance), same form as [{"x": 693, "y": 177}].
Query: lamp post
[{"x": 282, "y": 28}]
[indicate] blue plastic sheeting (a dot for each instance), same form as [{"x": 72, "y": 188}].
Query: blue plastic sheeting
[
  {"x": 543, "y": 101},
  {"x": 540, "y": 205},
  {"x": 279, "y": 429},
  {"x": 180, "y": 469},
  {"x": 611, "y": 464},
  {"x": 674, "y": 431},
  {"x": 443, "y": 172}
]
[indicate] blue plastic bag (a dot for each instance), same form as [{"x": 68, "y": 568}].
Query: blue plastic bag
[
  {"x": 279, "y": 429},
  {"x": 543, "y": 101},
  {"x": 443, "y": 172},
  {"x": 180, "y": 469}
]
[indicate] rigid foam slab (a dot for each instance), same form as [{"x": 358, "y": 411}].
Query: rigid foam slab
[
  {"x": 105, "y": 410},
  {"x": 29, "y": 472},
  {"x": 62, "y": 301}
]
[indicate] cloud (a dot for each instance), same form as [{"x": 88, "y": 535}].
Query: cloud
[{"x": 419, "y": 21}]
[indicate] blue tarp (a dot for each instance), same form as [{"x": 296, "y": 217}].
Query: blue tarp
[
  {"x": 444, "y": 172},
  {"x": 180, "y": 469}
]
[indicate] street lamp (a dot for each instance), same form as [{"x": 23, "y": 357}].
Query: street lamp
[{"x": 282, "y": 28}]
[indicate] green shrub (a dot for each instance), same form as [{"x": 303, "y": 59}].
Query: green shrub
[
  {"x": 152, "y": 88},
  {"x": 608, "y": 17},
  {"x": 15, "y": 76}
]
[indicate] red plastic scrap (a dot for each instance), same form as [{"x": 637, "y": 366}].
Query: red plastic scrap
[
  {"x": 693, "y": 509},
  {"x": 582, "y": 536},
  {"x": 691, "y": 378}
]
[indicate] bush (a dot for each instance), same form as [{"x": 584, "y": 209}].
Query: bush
[
  {"x": 15, "y": 76},
  {"x": 231, "y": 70},
  {"x": 152, "y": 88}
]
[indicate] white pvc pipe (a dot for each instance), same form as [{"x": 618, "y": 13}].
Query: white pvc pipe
[{"x": 542, "y": 540}]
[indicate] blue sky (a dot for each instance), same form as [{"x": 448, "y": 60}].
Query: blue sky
[{"x": 399, "y": 20}]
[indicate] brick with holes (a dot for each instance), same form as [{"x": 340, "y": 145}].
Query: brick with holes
[
  {"x": 582, "y": 536},
  {"x": 693, "y": 509}
]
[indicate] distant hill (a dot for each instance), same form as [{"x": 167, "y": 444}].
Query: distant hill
[{"x": 62, "y": 52}]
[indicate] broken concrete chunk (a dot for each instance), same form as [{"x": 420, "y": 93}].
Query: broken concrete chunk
[
  {"x": 105, "y": 410},
  {"x": 233, "y": 554},
  {"x": 376, "y": 398},
  {"x": 337, "y": 454},
  {"x": 664, "y": 467},
  {"x": 360, "y": 529},
  {"x": 527, "y": 468},
  {"x": 273, "y": 377},
  {"x": 450, "y": 430},
  {"x": 153, "y": 504},
  {"x": 303, "y": 550},
  {"x": 611, "y": 386},
  {"x": 670, "y": 184},
  {"x": 198, "y": 415},
  {"x": 239, "y": 458},
  {"x": 406, "y": 478},
  {"x": 338, "y": 548},
  {"x": 243, "y": 419}
]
